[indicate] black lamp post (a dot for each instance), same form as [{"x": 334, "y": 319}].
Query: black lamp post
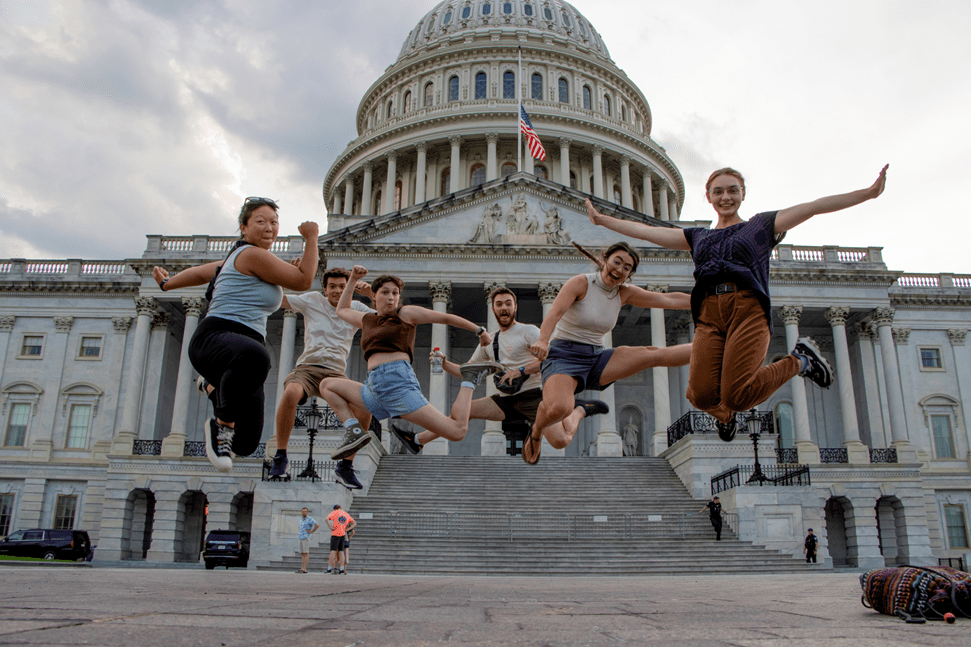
[
  {"x": 312, "y": 419},
  {"x": 754, "y": 424}
]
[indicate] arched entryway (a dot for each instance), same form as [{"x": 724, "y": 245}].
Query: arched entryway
[
  {"x": 242, "y": 512},
  {"x": 136, "y": 536},
  {"x": 839, "y": 525},
  {"x": 892, "y": 530},
  {"x": 190, "y": 529}
]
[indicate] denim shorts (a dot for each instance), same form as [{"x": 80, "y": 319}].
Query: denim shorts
[
  {"x": 392, "y": 390},
  {"x": 582, "y": 362}
]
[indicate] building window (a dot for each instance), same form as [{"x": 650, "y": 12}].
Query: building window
[
  {"x": 486, "y": 8},
  {"x": 573, "y": 180},
  {"x": 429, "y": 94},
  {"x": 32, "y": 346},
  {"x": 508, "y": 169},
  {"x": 480, "y": 85},
  {"x": 583, "y": 29},
  {"x": 17, "y": 424},
  {"x": 377, "y": 207},
  {"x": 507, "y": 8},
  {"x": 90, "y": 348},
  {"x": 508, "y": 85},
  {"x": 606, "y": 105},
  {"x": 567, "y": 21},
  {"x": 540, "y": 171},
  {"x": 447, "y": 19},
  {"x": 477, "y": 175},
  {"x": 528, "y": 9},
  {"x": 6, "y": 513},
  {"x": 466, "y": 12},
  {"x": 930, "y": 359},
  {"x": 446, "y": 181},
  {"x": 536, "y": 86},
  {"x": 587, "y": 98},
  {"x": 390, "y": 112},
  {"x": 548, "y": 13},
  {"x": 453, "y": 88},
  {"x": 783, "y": 424},
  {"x": 957, "y": 529},
  {"x": 407, "y": 102},
  {"x": 623, "y": 112},
  {"x": 397, "y": 196},
  {"x": 64, "y": 510},
  {"x": 77, "y": 426},
  {"x": 943, "y": 439},
  {"x": 636, "y": 205},
  {"x": 564, "y": 90},
  {"x": 617, "y": 197}
]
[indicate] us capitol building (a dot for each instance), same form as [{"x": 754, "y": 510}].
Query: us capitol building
[{"x": 102, "y": 424}]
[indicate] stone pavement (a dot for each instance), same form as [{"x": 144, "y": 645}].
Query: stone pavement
[{"x": 147, "y": 607}]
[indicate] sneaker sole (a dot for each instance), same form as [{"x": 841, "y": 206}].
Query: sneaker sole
[
  {"x": 221, "y": 463},
  {"x": 811, "y": 345},
  {"x": 349, "y": 486},
  {"x": 404, "y": 441},
  {"x": 350, "y": 448}
]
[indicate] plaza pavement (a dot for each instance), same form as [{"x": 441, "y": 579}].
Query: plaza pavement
[{"x": 171, "y": 607}]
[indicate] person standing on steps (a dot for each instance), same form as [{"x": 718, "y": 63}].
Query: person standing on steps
[
  {"x": 339, "y": 523},
  {"x": 714, "y": 508},
  {"x": 228, "y": 348},
  {"x": 809, "y": 546},
  {"x": 327, "y": 343},
  {"x": 308, "y": 526},
  {"x": 519, "y": 386}
]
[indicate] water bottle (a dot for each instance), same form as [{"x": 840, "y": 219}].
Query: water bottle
[{"x": 437, "y": 358}]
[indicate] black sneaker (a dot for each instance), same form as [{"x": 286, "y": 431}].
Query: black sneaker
[
  {"x": 219, "y": 441},
  {"x": 344, "y": 474},
  {"x": 727, "y": 430},
  {"x": 591, "y": 407},
  {"x": 354, "y": 439},
  {"x": 819, "y": 371},
  {"x": 475, "y": 372},
  {"x": 279, "y": 466},
  {"x": 408, "y": 439}
]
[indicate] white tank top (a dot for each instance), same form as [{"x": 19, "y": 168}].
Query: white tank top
[{"x": 591, "y": 318}]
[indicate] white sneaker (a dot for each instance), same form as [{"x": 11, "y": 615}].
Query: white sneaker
[{"x": 219, "y": 440}]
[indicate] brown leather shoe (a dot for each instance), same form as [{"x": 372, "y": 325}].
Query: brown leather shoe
[{"x": 531, "y": 448}]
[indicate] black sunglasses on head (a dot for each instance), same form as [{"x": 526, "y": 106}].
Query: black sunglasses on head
[{"x": 267, "y": 201}]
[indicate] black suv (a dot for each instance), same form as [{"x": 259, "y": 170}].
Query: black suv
[
  {"x": 226, "y": 548},
  {"x": 48, "y": 544}
]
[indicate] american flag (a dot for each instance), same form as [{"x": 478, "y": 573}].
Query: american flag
[{"x": 532, "y": 141}]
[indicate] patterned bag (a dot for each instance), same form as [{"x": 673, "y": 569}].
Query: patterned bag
[{"x": 916, "y": 593}]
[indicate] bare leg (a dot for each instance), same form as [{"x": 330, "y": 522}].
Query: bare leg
[
  {"x": 557, "y": 404},
  {"x": 482, "y": 409},
  {"x": 304, "y": 560},
  {"x": 561, "y": 434},
  {"x": 453, "y": 427},
  {"x": 628, "y": 360},
  {"x": 342, "y": 394},
  {"x": 286, "y": 412}
]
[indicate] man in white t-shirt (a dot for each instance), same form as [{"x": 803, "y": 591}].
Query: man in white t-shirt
[
  {"x": 327, "y": 341},
  {"x": 514, "y": 340}
]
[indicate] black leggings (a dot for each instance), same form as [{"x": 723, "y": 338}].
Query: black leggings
[{"x": 233, "y": 358}]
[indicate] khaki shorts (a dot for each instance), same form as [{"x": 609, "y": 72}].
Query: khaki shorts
[
  {"x": 304, "y": 546},
  {"x": 309, "y": 376},
  {"x": 521, "y": 406}
]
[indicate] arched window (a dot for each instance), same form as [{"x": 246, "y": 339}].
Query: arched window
[
  {"x": 447, "y": 18},
  {"x": 606, "y": 105},
  {"x": 783, "y": 424},
  {"x": 480, "y": 85},
  {"x": 536, "y": 86},
  {"x": 466, "y": 12},
  {"x": 453, "y": 88},
  {"x": 397, "y": 196},
  {"x": 573, "y": 180},
  {"x": 377, "y": 207},
  {"x": 616, "y": 194},
  {"x": 528, "y": 9},
  {"x": 508, "y": 85},
  {"x": 548, "y": 13},
  {"x": 567, "y": 21},
  {"x": 446, "y": 181},
  {"x": 540, "y": 171},
  {"x": 477, "y": 175},
  {"x": 635, "y": 206},
  {"x": 564, "y": 90},
  {"x": 587, "y": 98},
  {"x": 508, "y": 169},
  {"x": 390, "y": 109},
  {"x": 623, "y": 112},
  {"x": 429, "y": 94},
  {"x": 507, "y": 8},
  {"x": 407, "y": 108},
  {"x": 486, "y": 8}
]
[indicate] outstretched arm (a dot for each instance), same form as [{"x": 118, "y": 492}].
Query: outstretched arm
[
  {"x": 420, "y": 315},
  {"x": 637, "y": 296},
  {"x": 670, "y": 237},
  {"x": 344, "y": 309},
  {"x": 789, "y": 218},
  {"x": 198, "y": 275},
  {"x": 572, "y": 290}
]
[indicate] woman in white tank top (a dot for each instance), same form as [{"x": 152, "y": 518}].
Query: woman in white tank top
[{"x": 571, "y": 339}]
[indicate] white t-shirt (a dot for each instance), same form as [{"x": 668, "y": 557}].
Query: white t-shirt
[
  {"x": 326, "y": 337},
  {"x": 514, "y": 351}
]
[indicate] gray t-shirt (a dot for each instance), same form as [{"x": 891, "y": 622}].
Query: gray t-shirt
[{"x": 326, "y": 337}]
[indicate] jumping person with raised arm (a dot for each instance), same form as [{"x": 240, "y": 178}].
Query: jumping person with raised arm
[
  {"x": 730, "y": 301},
  {"x": 571, "y": 339},
  {"x": 228, "y": 349},
  {"x": 388, "y": 343}
]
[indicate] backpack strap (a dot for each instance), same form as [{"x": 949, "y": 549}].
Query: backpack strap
[{"x": 495, "y": 347}]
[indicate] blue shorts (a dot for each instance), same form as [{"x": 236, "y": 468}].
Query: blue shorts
[
  {"x": 582, "y": 362},
  {"x": 392, "y": 390}
]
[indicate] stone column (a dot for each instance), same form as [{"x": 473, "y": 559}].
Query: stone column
[
  {"x": 598, "y": 172},
  {"x": 662, "y": 392},
  {"x": 648, "y": 194},
  {"x": 348, "y": 195},
  {"x": 565, "y": 161},
  {"x": 673, "y": 207},
  {"x": 6, "y": 327},
  {"x": 390, "y": 182},
  {"x": 493, "y": 441},
  {"x": 807, "y": 450},
  {"x": 906, "y": 453},
  {"x": 288, "y": 339},
  {"x": 492, "y": 166},
  {"x": 438, "y": 384},
  {"x": 586, "y": 163},
  {"x": 870, "y": 384},
  {"x": 166, "y": 526},
  {"x": 609, "y": 442},
  {"x": 128, "y": 430},
  {"x": 336, "y": 205},
  {"x": 405, "y": 186},
  {"x": 662, "y": 198},
  {"x": 547, "y": 295},
  {"x": 856, "y": 450},
  {"x": 220, "y": 513},
  {"x": 174, "y": 443},
  {"x": 421, "y": 171},
  {"x": 455, "y": 181},
  {"x": 962, "y": 367},
  {"x": 626, "y": 197},
  {"x": 682, "y": 335},
  {"x": 527, "y": 161},
  {"x": 366, "y": 189},
  {"x": 42, "y": 444}
]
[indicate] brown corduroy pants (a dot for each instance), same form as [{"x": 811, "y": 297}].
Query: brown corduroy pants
[{"x": 731, "y": 339}]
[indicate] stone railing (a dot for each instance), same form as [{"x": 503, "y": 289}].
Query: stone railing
[
  {"x": 200, "y": 245},
  {"x": 699, "y": 422},
  {"x": 878, "y": 455},
  {"x": 943, "y": 280},
  {"x": 19, "y": 267},
  {"x": 833, "y": 455},
  {"x": 774, "y": 475},
  {"x": 827, "y": 254}
]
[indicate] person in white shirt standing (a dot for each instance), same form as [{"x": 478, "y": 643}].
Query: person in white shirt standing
[
  {"x": 327, "y": 343},
  {"x": 520, "y": 391}
]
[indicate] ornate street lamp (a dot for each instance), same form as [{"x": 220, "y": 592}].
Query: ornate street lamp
[
  {"x": 754, "y": 423},
  {"x": 312, "y": 419}
]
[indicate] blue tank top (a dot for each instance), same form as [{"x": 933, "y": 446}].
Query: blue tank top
[{"x": 248, "y": 300}]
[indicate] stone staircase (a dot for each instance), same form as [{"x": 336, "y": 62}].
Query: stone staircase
[{"x": 441, "y": 515}]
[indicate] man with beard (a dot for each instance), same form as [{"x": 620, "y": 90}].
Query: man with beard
[{"x": 512, "y": 343}]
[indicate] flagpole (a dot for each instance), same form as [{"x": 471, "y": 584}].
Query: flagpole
[{"x": 519, "y": 113}]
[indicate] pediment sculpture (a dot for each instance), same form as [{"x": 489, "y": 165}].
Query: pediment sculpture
[{"x": 519, "y": 226}]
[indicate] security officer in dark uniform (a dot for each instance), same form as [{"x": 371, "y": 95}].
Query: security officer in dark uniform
[
  {"x": 714, "y": 508},
  {"x": 809, "y": 547}
]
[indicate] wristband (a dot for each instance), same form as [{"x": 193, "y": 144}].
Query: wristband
[
  {"x": 522, "y": 371},
  {"x": 161, "y": 286},
  {"x": 480, "y": 330}
]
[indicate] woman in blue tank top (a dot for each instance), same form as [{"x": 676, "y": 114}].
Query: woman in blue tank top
[{"x": 228, "y": 348}]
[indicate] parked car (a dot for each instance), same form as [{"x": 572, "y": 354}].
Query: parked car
[
  {"x": 47, "y": 544},
  {"x": 226, "y": 548}
]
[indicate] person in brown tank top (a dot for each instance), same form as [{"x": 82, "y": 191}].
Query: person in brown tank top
[{"x": 388, "y": 343}]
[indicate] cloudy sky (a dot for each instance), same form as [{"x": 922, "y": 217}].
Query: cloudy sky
[{"x": 119, "y": 119}]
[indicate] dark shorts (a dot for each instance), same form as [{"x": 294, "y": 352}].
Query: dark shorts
[
  {"x": 582, "y": 362},
  {"x": 309, "y": 377},
  {"x": 337, "y": 543},
  {"x": 521, "y": 406}
]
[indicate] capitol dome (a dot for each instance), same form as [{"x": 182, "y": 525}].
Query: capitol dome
[{"x": 444, "y": 116}]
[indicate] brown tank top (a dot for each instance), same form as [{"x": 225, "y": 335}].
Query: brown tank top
[{"x": 387, "y": 334}]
